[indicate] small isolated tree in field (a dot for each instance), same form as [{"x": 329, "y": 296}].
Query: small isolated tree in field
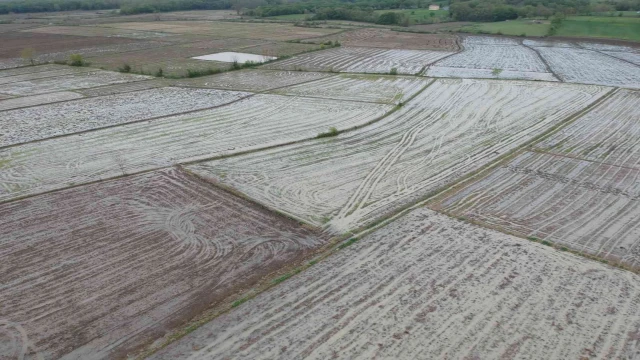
[
  {"x": 496, "y": 72},
  {"x": 28, "y": 54},
  {"x": 159, "y": 73},
  {"x": 76, "y": 60},
  {"x": 394, "y": 71}
]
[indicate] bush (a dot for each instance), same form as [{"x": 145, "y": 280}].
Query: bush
[
  {"x": 126, "y": 68},
  {"x": 76, "y": 60},
  {"x": 159, "y": 73},
  {"x": 332, "y": 132},
  {"x": 394, "y": 71}
]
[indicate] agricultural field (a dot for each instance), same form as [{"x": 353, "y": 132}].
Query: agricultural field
[
  {"x": 266, "y": 31},
  {"x": 79, "y": 80},
  {"x": 591, "y": 67},
  {"x": 521, "y": 27},
  {"x": 252, "y": 80},
  {"x": 362, "y": 60},
  {"x": 451, "y": 128},
  {"x": 253, "y": 123},
  {"x": 13, "y": 43},
  {"x": 65, "y": 292},
  {"x": 577, "y": 188},
  {"x": 371, "y": 88},
  {"x": 481, "y": 60},
  {"x": 430, "y": 287},
  {"x": 45, "y": 121},
  {"x": 388, "y": 39},
  {"x": 370, "y": 193},
  {"x": 26, "y": 101},
  {"x": 624, "y": 28}
]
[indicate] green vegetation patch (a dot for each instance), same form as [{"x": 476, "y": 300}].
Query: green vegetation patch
[
  {"x": 524, "y": 27},
  {"x": 624, "y": 28}
]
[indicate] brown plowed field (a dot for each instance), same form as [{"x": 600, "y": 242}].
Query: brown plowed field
[
  {"x": 14, "y": 42},
  {"x": 388, "y": 39},
  {"x": 97, "y": 271}
]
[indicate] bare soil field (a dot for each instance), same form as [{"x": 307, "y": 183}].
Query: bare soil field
[
  {"x": 95, "y": 31},
  {"x": 430, "y": 287},
  {"x": 251, "y": 79},
  {"x": 118, "y": 264},
  {"x": 87, "y": 79},
  {"x": 14, "y": 103},
  {"x": 41, "y": 122},
  {"x": 577, "y": 188},
  {"x": 267, "y": 31},
  {"x": 450, "y": 129},
  {"x": 488, "y": 58},
  {"x": 123, "y": 88},
  {"x": 388, "y": 39},
  {"x": 55, "y": 72},
  {"x": 372, "y": 88},
  {"x": 362, "y": 60},
  {"x": 172, "y": 59},
  {"x": 14, "y": 42},
  {"x": 250, "y": 124},
  {"x": 590, "y": 67}
]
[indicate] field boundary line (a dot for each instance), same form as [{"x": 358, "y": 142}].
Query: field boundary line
[
  {"x": 614, "y": 57},
  {"x": 241, "y": 195},
  {"x": 123, "y": 124},
  {"x": 573, "y": 157},
  {"x": 544, "y": 61},
  {"x": 479, "y": 173},
  {"x": 356, "y": 127}
]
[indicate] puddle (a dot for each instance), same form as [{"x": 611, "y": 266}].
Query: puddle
[{"x": 241, "y": 58}]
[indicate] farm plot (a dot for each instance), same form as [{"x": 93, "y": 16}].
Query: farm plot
[
  {"x": 387, "y": 39},
  {"x": 32, "y": 70},
  {"x": 626, "y": 56},
  {"x": 34, "y": 100},
  {"x": 453, "y": 127},
  {"x": 430, "y": 287},
  {"x": 588, "y": 206},
  {"x": 346, "y": 59},
  {"x": 41, "y": 122},
  {"x": 123, "y": 88},
  {"x": 578, "y": 187},
  {"x": 119, "y": 263},
  {"x": 86, "y": 79},
  {"x": 372, "y": 88},
  {"x": 253, "y": 123},
  {"x": 252, "y": 80},
  {"x": 590, "y": 67},
  {"x": 610, "y": 133},
  {"x": 40, "y": 75},
  {"x": 267, "y": 31},
  {"x": 489, "y": 40},
  {"x": 13, "y": 43},
  {"x": 493, "y": 61},
  {"x": 551, "y": 43},
  {"x": 97, "y": 32}
]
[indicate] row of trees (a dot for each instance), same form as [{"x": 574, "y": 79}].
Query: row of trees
[{"x": 359, "y": 10}]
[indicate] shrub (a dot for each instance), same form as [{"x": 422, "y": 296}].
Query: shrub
[
  {"x": 347, "y": 243},
  {"x": 332, "y": 132},
  {"x": 126, "y": 68},
  {"x": 159, "y": 73},
  {"x": 496, "y": 72},
  {"x": 394, "y": 71},
  {"x": 76, "y": 60}
]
